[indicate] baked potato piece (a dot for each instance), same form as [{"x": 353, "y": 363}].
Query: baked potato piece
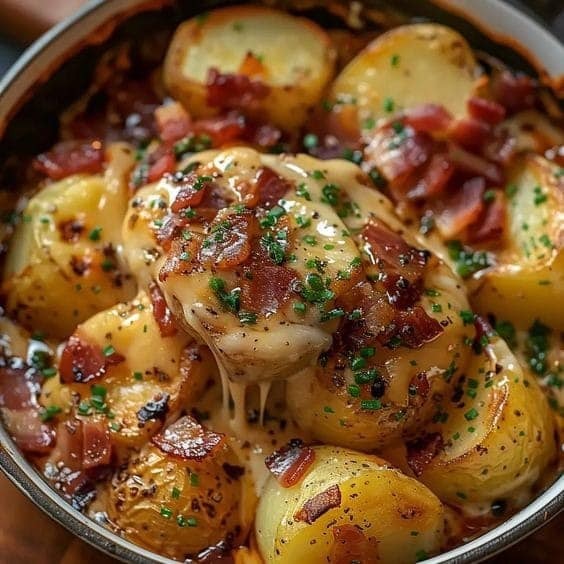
[
  {"x": 131, "y": 369},
  {"x": 496, "y": 438},
  {"x": 528, "y": 280},
  {"x": 401, "y": 69},
  {"x": 348, "y": 507},
  {"x": 63, "y": 264},
  {"x": 184, "y": 492},
  {"x": 250, "y": 44}
]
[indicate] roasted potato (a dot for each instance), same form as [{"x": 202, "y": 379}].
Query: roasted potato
[
  {"x": 183, "y": 493},
  {"x": 152, "y": 379},
  {"x": 63, "y": 264},
  {"x": 527, "y": 282},
  {"x": 252, "y": 42},
  {"x": 348, "y": 507},
  {"x": 401, "y": 69},
  {"x": 496, "y": 439}
]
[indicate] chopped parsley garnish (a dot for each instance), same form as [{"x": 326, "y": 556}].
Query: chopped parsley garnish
[
  {"x": 229, "y": 300},
  {"x": 47, "y": 413},
  {"x": 299, "y": 307},
  {"x": 303, "y": 192},
  {"x": 540, "y": 197},
  {"x": 247, "y": 318},
  {"x": 314, "y": 290},
  {"x": 367, "y": 352},
  {"x": 166, "y": 512},
  {"x": 108, "y": 350},
  {"x": 318, "y": 174},
  {"x": 194, "y": 480},
  {"x": 506, "y": 331},
  {"x": 467, "y": 316},
  {"x": 272, "y": 217},
  {"x": 310, "y": 141},
  {"x": 175, "y": 494},
  {"x": 330, "y": 194},
  {"x": 388, "y": 105},
  {"x": 370, "y": 404},
  {"x": 275, "y": 245},
  {"x": 471, "y": 414},
  {"x": 489, "y": 196},
  {"x": 537, "y": 346},
  {"x": 332, "y": 314},
  {"x": 353, "y": 390},
  {"x": 310, "y": 240},
  {"x": 95, "y": 234},
  {"x": 368, "y": 123},
  {"x": 192, "y": 144},
  {"x": 467, "y": 261}
]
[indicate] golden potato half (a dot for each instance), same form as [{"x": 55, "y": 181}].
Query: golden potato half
[
  {"x": 291, "y": 57},
  {"x": 497, "y": 438},
  {"x": 63, "y": 265},
  {"x": 391, "y": 518},
  {"x": 406, "y": 67},
  {"x": 528, "y": 281}
]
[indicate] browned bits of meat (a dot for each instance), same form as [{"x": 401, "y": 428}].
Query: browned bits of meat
[
  {"x": 289, "y": 464},
  {"x": 318, "y": 505},
  {"x": 71, "y": 157},
  {"x": 234, "y": 91},
  {"x": 161, "y": 312},
  {"x": 271, "y": 187},
  {"x": 188, "y": 440},
  {"x": 96, "y": 446},
  {"x": 422, "y": 451},
  {"x": 83, "y": 362},
  {"x": 192, "y": 190},
  {"x": 71, "y": 230}
]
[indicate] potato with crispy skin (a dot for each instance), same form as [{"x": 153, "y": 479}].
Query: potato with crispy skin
[
  {"x": 527, "y": 280},
  {"x": 348, "y": 507},
  {"x": 63, "y": 265},
  {"x": 184, "y": 492},
  {"x": 496, "y": 439},
  {"x": 237, "y": 58}
]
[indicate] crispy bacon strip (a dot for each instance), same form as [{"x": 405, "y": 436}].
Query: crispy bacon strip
[
  {"x": 234, "y": 91},
  {"x": 83, "y": 362},
  {"x": 318, "y": 505},
  {"x": 289, "y": 464},
  {"x": 71, "y": 157},
  {"x": 161, "y": 312},
  {"x": 96, "y": 445},
  {"x": 192, "y": 190},
  {"x": 189, "y": 440},
  {"x": 491, "y": 224},
  {"x": 271, "y": 187}
]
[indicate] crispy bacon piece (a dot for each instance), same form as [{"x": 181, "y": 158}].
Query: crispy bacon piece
[
  {"x": 412, "y": 328},
  {"x": 319, "y": 504},
  {"x": 191, "y": 193},
  {"x": 476, "y": 165},
  {"x": 351, "y": 545},
  {"x": 96, "y": 446},
  {"x": 223, "y": 130},
  {"x": 161, "y": 312},
  {"x": 268, "y": 289},
  {"x": 19, "y": 386},
  {"x": 188, "y": 440},
  {"x": 428, "y": 118},
  {"x": 289, "y": 464},
  {"x": 470, "y": 133},
  {"x": 173, "y": 122},
  {"x": 83, "y": 362},
  {"x": 229, "y": 242},
  {"x": 419, "y": 389},
  {"x": 162, "y": 165},
  {"x": 490, "y": 226},
  {"x": 421, "y": 452},
  {"x": 462, "y": 208},
  {"x": 71, "y": 157},
  {"x": 434, "y": 180},
  {"x": 271, "y": 187},
  {"x": 71, "y": 230},
  {"x": 234, "y": 91},
  {"x": 515, "y": 92},
  {"x": 486, "y": 110}
]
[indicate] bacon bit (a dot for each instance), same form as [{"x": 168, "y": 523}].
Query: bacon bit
[
  {"x": 434, "y": 180},
  {"x": 412, "y": 328},
  {"x": 486, "y": 110},
  {"x": 71, "y": 157},
  {"x": 191, "y": 193},
  {"x": 251, "y": 65},
  {"x": 83, "y": 362},
  {"x": 223, "y": 130},
  {"x": 470, "y": 133},
  {"x": 234, "y": 91},
  {"x": 475, "y": 164},
  {"x": 289, "y": 464},
  {"x": 421, "y": 388},
  {"x": 421, "y": 452},
  {"x": 96, "y": 446},
  {"x": 428, "y": 118},
  {"x": 173, "y": 122},
  {"x": 515, "y": 92},
  {"x": 271, "y": 187},
  {"x": 163, "y": 165},
  {"x": 351, "y": 545},
  {"x": 28, "y": 431},
  {"x": 71, "y": 230},
  {"x": 18, "y": 387},
  {"x": 162, "y": 314},
  {"x": 189, "y": 440},
  {"x": 169, "y": 230},
  {"x": 318, "y": 505},
  {"x": 490, "y": 226},
  {"x": 229, "y": 241},
  {"x": 456, "y": 212},
  {"x": 269, "y": 288}
]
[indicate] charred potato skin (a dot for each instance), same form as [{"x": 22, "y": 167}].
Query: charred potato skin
[
  {"x": 287, "y": 102},
  {"x": 379, "y": 500},
  {"x": 497, "y": 445},
  {"x": 177, "y": 507}
]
